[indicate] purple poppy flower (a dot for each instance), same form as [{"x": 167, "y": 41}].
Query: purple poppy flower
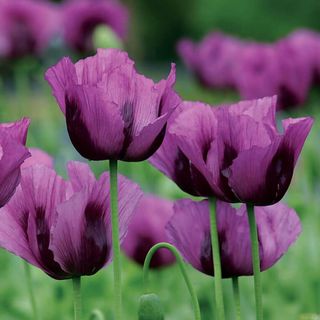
[
  {"x": 213, "y": 60},
  {"x": 237, "y": 150},
  {"x": 146, "y": 229},
  {"x": 82, "y": 17},
  {"x": 63, "y": 227},
  {"x": 26, "y": 27},
  {"x": 112, "y": 112},
  {"x": 12, "y": 154},
  {"x": 189, "y": 230}
]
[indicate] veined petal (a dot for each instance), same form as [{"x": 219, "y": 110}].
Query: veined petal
[
  {"x": 17, "y": 130},
  {"x": 43, "y": 190},
  {"x": 95, "y": 125},
  {"x": 81, "y": 237},
  {"x": 38, "y": 156},
  {"x": 194, "y": 130},
  {"x": 60, "y": 77},
  {"x": 278, "y": 228},
  {"x": 13, "y": 154},
  {"x": 14, "y": 228},
  {"x": 80, "y": 176}
]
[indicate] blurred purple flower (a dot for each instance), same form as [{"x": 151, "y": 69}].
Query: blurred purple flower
[
  {"x": 111, "y": 111},
  {"x": 189, "y": 230},
  {"x": 12, "y": 154},
  {"x": 295, "y": 67},
  {"x": 213, "y": 60},
  {"x": 236, "y": 149},
  {"x": 26, "y": 27},
  {"x": 307, "y": 43},
  {"x": 39, "y": 157},
  {"x": 64, "y": 227},
  {"x": 146, "y": 229},
  {"x": 267, "y": 69},
  {"x": 257, "y": 73},
  {"x": 80, "y": 18}
]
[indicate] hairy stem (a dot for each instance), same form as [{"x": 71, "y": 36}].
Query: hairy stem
[
  {"x": 113, "y": 165},
  {"x": 216, "y": 260},
  {"x": 255, "y": 261}
]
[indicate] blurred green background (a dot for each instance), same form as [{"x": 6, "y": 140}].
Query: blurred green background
[
  {"x": 158, "y": 24},
  {"x": 292, "y": 287}
]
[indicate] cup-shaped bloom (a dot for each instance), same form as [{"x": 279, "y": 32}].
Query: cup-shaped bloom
[
  {"x": 146, "y": 229},
  {"x": 63, "y": 227},
  {"x": 189, "y": 230},
  {"x": 81, "y": 18},
  {"x": 237, "y": 150},
  {"x": 12, "y": 154},
  {"x": 213, "y": 60},
  {"x": 26, "y": 27},
  {"x": 111, "y": 111}
]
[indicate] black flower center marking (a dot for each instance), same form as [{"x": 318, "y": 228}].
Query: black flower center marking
[{"x": 43, "y": 241}]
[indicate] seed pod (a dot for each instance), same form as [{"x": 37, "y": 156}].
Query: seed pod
[{"x": 150, "y": 308}]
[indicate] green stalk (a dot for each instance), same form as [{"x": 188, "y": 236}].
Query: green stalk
[
  {"x": 255, "y": 261},
  {"x": 30, "y": 289},
  {"x": 113, "y": 165},
  {"x": 77, "y": 298},
  {"x": 216, "y": 260},
  {"x": 236, "y": 296},
  {"x": 146, "y": 266}
]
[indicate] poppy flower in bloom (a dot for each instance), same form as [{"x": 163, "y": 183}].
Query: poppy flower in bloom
[
  {"x": 189, "y": 230},
  {"x": 213, "y": 60},
  {"x": 63, "y": 227},
  {"x": 146, "y": 229},
  {"x": 111, "y": 111},
  {"x": 12, "y": 154},
  {"x": 237, "y": 150},
  {"x": 81, "y": 18},
  {"x": 26, "y": 27}
]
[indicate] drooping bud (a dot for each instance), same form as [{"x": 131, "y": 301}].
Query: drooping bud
[{"x": 150, "y": 308}]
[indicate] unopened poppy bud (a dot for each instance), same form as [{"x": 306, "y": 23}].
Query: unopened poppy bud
[{"x": 150, "y": 308}]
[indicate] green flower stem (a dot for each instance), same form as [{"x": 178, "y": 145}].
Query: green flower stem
[
  {"x": 216, "y": 260},
  {"x": 77, "y": 298},
  {"x": 30, "y": 289},
  {"x": 113, "y": 165},
  {"x": 179, "y": 259},
  {"x": 255, "y": 261},
  {"x": 236, "y": 295}
]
